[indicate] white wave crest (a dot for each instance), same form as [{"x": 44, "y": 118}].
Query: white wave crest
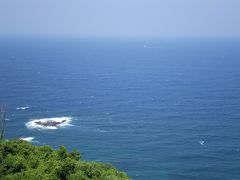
[
  {"x": 28, "y": 139},
  {"x": 102, "y": 131},
  {"x": 23, "y": 108},
  {"x": 49, "y": 123}
]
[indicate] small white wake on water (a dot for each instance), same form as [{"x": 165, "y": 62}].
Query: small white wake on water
[
  {"x": 201, "y": 143},
  {"x": 49, "y": 123},
  {"x": 102, "y": 131},
  {"x": 23, "y": 108}
]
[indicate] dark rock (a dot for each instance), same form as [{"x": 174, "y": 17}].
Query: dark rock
[{"x": 50, "y": 123}]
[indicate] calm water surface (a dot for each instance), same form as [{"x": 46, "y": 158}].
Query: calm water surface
[{"x": 156, "y": 109}]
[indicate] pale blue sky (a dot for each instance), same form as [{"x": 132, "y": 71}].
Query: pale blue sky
[{"x": 161, "y": 18}]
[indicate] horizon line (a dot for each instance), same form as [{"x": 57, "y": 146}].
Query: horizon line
[{"x": 67, "y": 36}]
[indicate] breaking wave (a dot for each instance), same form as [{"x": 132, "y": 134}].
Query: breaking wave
[
  {"x": 23, "y": 108},
  {"x": 49, "y": 123},
  {"x": 28, "y": 139}
]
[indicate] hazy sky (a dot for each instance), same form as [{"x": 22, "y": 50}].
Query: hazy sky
[{"x": 120, "y": 17}]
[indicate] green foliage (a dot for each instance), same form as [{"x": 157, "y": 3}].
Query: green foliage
[
  {"x": 20, "y": 160},
  {"x": 62, "y": 152},
  {"x": 74, "y": 155},
  {"x": 2, "y": 121}
]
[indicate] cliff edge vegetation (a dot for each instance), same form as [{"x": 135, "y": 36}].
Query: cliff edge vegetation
[{"x": 23, "y": 161}]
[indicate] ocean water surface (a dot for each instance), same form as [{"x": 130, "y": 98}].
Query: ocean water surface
[{"x": 154, "y": 108}]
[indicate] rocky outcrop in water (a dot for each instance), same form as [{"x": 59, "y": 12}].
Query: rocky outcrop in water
[{"x": 50, "y": 123}]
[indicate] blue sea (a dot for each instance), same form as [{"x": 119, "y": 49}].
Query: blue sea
[{"x": 154, "y": 108}]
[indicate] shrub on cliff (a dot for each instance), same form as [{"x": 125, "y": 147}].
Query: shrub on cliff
[{"x": 22, "y": 161}]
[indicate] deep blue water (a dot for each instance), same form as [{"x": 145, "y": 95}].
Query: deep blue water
[{"x": 144, "y": 105}]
